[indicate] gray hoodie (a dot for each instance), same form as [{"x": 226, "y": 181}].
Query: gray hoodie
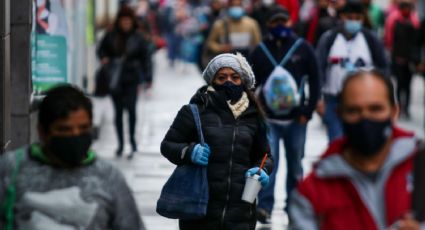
[{"x": 93, "y": 196}]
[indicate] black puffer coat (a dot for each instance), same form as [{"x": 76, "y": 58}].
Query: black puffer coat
[{"x": 236, "y": 146}]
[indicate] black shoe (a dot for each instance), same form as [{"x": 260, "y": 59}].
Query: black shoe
[
  {"x": 129, "y": 157},
  {"x": 263, "y": 216},
  {"x": 118, "y": 153}
]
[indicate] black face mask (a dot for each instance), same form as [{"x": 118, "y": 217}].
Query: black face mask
[
  {"x": 231, "y": 91},
  {"x": 367, "y": 136},
  {"x": 71, "y": 150}
]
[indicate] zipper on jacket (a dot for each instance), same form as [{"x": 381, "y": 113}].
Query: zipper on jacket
[{"x": 229, "y": 178}]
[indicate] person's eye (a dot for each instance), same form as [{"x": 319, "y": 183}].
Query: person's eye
[
  {"x": 376, "y": 108},
  {"x": 236, "y": 78},
  {"x": 221, "y": 78}
]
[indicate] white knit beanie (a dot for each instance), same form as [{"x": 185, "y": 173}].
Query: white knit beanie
[{"x": 237, "y": 62}]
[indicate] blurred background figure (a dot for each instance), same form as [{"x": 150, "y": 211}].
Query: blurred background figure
[
  {"x": 401, "y": 29},
  {"x": 213, "y": 12},
  {"x": 124, "y": 53},
  {"x": 237, "y": 32},
  {"x": 341, "y": 50},
  {"x": 259, "y": 13},
  {"x": 318, "y": 17},
  {"x": 150, "y": 27},
  {"x": 376, "y": 16}
]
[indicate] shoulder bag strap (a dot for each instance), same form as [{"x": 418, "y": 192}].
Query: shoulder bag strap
[
  {"x": 197, "y": 119},
  {"x": 11, "y": 191},
  {"x": 226, "y": 31},
  {"x": 291, "y": 51}
]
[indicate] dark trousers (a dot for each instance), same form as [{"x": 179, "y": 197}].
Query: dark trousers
[
  {"x": 126, "y": 99},
  {"x": 403, "y": 76}
]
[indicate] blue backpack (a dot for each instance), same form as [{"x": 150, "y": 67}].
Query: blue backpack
[{"x": 280, "y": 91}]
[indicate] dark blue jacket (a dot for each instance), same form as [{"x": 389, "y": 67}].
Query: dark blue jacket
[{"x": 302, "y": 63}]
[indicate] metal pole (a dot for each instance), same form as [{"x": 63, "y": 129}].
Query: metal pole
[
  {"x": 20, "y": 64},
  {"x": 4, "y": 75}
]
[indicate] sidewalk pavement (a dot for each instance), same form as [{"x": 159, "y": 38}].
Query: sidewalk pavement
[{"x": 147, "y": 172}]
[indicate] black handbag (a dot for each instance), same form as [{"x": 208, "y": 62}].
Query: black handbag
[{"x": 185, "y": 194}]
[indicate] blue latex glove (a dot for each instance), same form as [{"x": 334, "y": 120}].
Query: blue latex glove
[
  {"x": 200, "y": 154},
  {"x": 264, "y": 178}
]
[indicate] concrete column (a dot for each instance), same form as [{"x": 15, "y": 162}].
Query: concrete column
[
  {"x": 4, "y": 74},
  {"x": 20, "y": 61}
]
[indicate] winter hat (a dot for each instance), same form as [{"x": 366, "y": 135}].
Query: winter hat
[{"x": 237, "y": 62}]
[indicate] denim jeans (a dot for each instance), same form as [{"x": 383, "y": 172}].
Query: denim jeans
[
  {"x": 331, "y": 118},
  {"x": 293, "y": 135}
]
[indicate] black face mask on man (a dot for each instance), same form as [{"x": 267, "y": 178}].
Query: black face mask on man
[
  {"x": 231, "y": 91},
  {"x": 367, "y": 136},
  {"x": 71, "y": 150}
]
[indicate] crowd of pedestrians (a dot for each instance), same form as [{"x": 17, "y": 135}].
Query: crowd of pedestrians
[{"x": 268, "y": 66}]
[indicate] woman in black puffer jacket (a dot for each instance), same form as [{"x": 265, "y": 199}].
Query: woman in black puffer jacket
[{"x": 235, "y": 134}]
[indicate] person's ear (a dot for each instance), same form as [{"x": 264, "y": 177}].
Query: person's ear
[
  {"x": 288, "y": 23},
  {"x": 395, "y": 113}
]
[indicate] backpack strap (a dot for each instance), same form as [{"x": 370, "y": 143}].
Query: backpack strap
[
  {"x": 11, "y": 191},
  {"x": 268, "y": 54},
  {"x": 197, "y": 119},
  {"x": 302, "y": 83},
  {"x": 291, "y": 51}
]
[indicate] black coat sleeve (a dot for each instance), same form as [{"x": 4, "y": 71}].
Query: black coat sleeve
[
  {"x": 260, "y": 147},
  {"x": 322, "y": 53},
  {"x": 380, "y": 60},
  {"x": 105, "y": 46},
  {"x": 313, "y": 82},
  {"x": 180, "y": 139}
]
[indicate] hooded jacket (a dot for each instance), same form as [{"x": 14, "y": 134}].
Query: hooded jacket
[
  {"x": 336, "y": 196},
  {"x": 236, "y": 146}
]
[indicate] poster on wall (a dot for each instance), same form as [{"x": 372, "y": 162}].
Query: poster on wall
[{"x": 49, "y": 45}]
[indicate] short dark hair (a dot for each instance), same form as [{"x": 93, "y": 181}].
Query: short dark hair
[
  {"x": 376, "y": 74},
  {"x": 352, "y": 7},
  {"x": 59, "y": 102}
]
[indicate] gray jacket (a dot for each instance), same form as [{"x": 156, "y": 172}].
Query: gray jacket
[{"x": 94, "y": 196}]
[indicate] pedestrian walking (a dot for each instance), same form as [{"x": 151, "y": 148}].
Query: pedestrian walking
[
  {"x": 235, "y": 142},
  {"x": 124, "y": 52},
  {"x": 346, "y": 48},
  {"x": 280, "y": 84},
  {"x": 235, "y": 33},
  {"x": 363, "y": 181},
  {"x": 401, "y": 30},
  {"x": 59, "y": 183}
]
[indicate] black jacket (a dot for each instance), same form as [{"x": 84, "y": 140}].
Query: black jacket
[
  {"x": 236, "y": 146},
  {"x": 302, "y": 63},
  {"x": 135, "y": 50}
]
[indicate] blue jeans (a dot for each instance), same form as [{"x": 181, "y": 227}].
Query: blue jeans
[
  {"x": 293, "y": 136},
  {"x": 331, "y": 118}
]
